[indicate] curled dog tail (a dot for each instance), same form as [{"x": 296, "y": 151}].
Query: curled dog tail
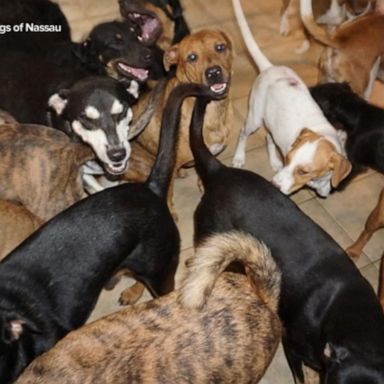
[
  {"x": 214, "y": 254},
  {"x": 318, "y": 33},
  {"x": 161, "y": 174},
  {"x": 260, "y": 59}
]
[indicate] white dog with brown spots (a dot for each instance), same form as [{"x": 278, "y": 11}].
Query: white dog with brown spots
[{"x": 304, "y": 148}]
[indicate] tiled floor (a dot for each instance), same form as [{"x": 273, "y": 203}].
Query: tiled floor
[{"x": 342, "y": 214}]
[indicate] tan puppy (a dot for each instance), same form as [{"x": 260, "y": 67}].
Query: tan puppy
[
  {"x": 40, "y": 168},
  {"x": 16, "y": 224},
  {"x": 202, "y": 57},
  {"x": 352, "y": 53},
  {"x": 220, "y": 329}
]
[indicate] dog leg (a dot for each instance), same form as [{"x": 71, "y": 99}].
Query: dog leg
[
  {"x": 374, "y": 222},
  {"x": 372, "y": 77},
  {"x": 253, "y": 122},
  {"x": 310, "y": 376},
  {"x": 295, "y": 364},
  {"x": 132, "y": 294},
  {"x": 285, "y": 26},
  {"x": 380, "y": 291},
  {"x": 274, "y": 155}
]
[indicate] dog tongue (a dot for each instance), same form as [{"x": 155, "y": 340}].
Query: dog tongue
[
  {"x": 148, "y": 28},
  {"x": 139, "y": 73}
]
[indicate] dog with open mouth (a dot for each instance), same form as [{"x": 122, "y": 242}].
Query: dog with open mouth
[
  {"x": 160, "y": 22},
  {"x": 202, "y": 57},
  {"x": 97, "y": 111}
]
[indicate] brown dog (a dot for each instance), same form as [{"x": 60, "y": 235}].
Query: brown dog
[
  {"x": 220, "y": 329},
  {"x": 16, "y": 224},
  {"x": 40, "y": 168},
  {"x": 202, "y": 57},
  {"x": 352, "y": 53}
]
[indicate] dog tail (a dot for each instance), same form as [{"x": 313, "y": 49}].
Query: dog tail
[
  {"x": 260, "y": 59},
  {"x": 206, "y": 163},
  {"x": 318, "y": 33},
  {"x": 214, "y": 254},
  {"x": 161, "y": 173}
]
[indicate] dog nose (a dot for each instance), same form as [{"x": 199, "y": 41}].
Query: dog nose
[
  {"x": 214, "y": 73},
  {"x": 117, "y": 154}
]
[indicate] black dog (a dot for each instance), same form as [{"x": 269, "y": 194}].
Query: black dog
[
  {"x": 37, "y": 14},
  {"x": 333, "y": 321},
  {"x": 51, "y": 282},
  {"x": 362, "y": 122}
]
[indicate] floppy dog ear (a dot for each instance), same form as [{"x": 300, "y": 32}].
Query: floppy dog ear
[
  {"x": 13, "y": 326},
  {"x": 341, "y": 168},
  {"x": 59, "y": 100},
  {"x": 171, "y": 57}
]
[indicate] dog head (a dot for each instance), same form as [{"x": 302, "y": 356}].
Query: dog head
[
  {"x": 344, "y": 366},
  {"x": 98, "y": 111},
  {"x": 203, "y": 57},
  {"x": 144, "y": 15},
  {"x": 114, "y": 46},
  {"x": 312, "y": 160}
]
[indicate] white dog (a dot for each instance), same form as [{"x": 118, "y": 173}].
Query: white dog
[{"x": 304, "y": 148}]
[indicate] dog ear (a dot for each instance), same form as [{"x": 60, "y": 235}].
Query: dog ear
[
  {"x": 341, "y": 168},
  {"x": 171, "y": 57},
  {"x": 228, "y": 41},
  {"x": 58, "y": 101},
  {"x": 13, "y": 326},
  {"x": 83, "y": 153}
]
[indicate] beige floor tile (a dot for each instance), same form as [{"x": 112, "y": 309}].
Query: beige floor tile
[
  {"x": 351, "y": 208},
  {"x": 371, "y": 273},
  {"x": 92, "y": 8},
  {"x": 316, "y": 212},
  {"x": 72, "y": 10}
]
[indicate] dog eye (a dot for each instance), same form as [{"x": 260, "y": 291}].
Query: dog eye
[
  {"x": 302, "y": 172},
  {"x": 220, "y": 47},
  {"x": 192, "y": 57}
]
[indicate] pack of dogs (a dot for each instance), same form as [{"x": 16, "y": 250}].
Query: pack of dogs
[{"x": 90, "y": 156}]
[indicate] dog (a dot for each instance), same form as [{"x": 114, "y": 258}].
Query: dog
[
  {"x": 321, "y": 287},
  {"x": 227, "y": 332},
  {"x": 363, "y": 124},
  {"x": 64, "y": 264},
  {"x": 342, "y": 59},
  {"x": 331, "y": 13},
  {"x": 97, "y": 111},
  {"x": 204, "y": 57},
  {"x": 28, "y": 79},
  {"x": 160, "y": 22},
  {"x": 41, "y": 168},
  {"x": 36, "y": 13},
  {"x": 303, "y": 147},
  {"x": 16, "y": 224}
]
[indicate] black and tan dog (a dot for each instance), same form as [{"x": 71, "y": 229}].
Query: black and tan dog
[
  {"x": 227, "y": 328},
  {"x": 159, "y": 21},
  {"x": 50, "y": 283},
  {"x": 325, "y": 303}
]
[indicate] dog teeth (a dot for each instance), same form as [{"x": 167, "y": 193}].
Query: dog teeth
[
  {"x": 139, "y": 38},
  {"x": 218, "y": 88}
]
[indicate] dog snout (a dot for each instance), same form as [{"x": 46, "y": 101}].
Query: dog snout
[
  {"x": 214, "y": 74},
  {"x": 117, "y": 154}
]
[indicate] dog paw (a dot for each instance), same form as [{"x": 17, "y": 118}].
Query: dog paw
[
  {"x": 285, "y": 26},
  {"x": 352, "y": 253},
  {"x": 238, "y": 162},
  {"x": 132, "y": 294},
  {"x": 303, "y": 47}
]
